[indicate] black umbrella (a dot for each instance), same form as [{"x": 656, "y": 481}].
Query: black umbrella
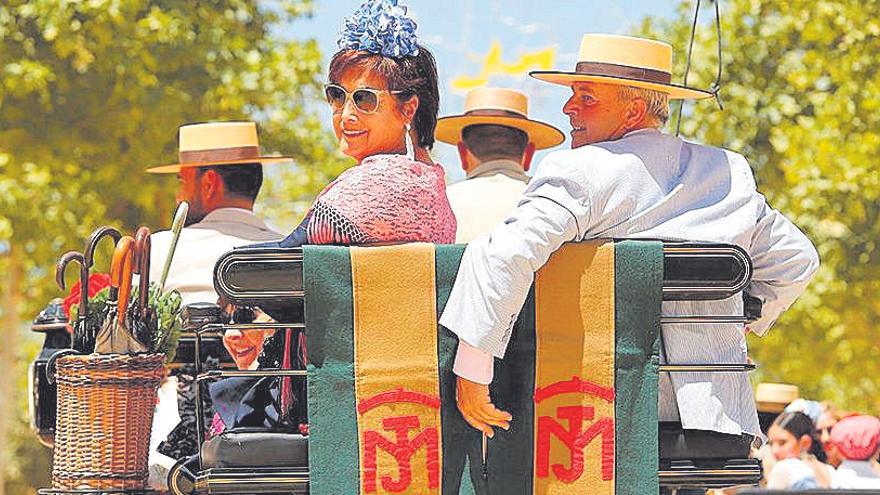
[{"x": 79, "y": 338}]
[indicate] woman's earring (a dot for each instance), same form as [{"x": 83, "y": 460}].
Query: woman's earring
[{"x": 410, "y": 149}]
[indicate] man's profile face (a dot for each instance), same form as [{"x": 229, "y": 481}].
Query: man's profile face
[
  {"x": 189, "y": 189},
  {"x": 596, "y": 113}
]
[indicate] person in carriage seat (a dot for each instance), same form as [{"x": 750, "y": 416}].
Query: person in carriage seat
[
  {"x": 384, "y": 97},
  {"x": 219, "y": 175},
  {"x": 496, "y": 142},
  {"x": 625, "y": 178}
]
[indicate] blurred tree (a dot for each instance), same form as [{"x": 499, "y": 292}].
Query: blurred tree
[
  {"x": 91, "y": 93},
  {"x": 801, "y": 93}
]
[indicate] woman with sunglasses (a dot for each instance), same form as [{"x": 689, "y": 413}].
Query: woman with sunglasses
[{"x": 384, "y": 98}]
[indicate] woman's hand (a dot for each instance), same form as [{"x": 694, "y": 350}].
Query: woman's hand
[{"x": 477, "y": 409}]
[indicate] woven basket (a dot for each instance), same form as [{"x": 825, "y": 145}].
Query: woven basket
[{"x": 105, "y": 414}]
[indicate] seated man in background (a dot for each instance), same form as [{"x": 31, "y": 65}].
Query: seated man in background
[
  {"x": 219, "y": 175},
  {"x": 496, "y": 142}
]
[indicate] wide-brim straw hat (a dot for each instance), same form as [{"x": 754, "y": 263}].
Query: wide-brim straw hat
[
  {"x": 497, "y": 106},
  {"x": 773, "y": 397},
  {"x": 624, "y": 60},
  {"x": 213, "y": 144}
]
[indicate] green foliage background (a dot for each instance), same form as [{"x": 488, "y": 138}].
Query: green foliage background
[
  {"x": 801, "y": 93},
  {"x": 91, "y": 94}
]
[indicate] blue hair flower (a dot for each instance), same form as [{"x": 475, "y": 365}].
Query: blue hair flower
[{"x": 381, "y": 27}]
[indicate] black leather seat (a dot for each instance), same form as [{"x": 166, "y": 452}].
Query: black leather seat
[
  {"x": 272, "y": 279},
  {"x": 705, "y": 459},
  {"x": 677, "y": 444},
  {"x": 248, "y": 447}
]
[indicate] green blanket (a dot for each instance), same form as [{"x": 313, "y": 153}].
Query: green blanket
[{"x": 602, "y": 436}]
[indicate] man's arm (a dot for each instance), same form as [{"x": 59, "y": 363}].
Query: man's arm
[
  {"x": 784, "y": 262},
  {"x": 493, "y": 281},
  {"x": 497, "y": 270}
]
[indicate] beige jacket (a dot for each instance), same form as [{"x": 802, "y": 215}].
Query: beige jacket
[
  {"x": 199, "y": 248},
  {"x": 484, "y": 199}
]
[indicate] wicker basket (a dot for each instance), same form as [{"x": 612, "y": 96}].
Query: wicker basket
[{"x": 105, "y": 414}]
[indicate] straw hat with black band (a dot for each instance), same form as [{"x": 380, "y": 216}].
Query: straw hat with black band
[
  {"x": 496, "y": 106},
  {"x": 213, "y": 144},
  {"x": 624, "y": 60}
]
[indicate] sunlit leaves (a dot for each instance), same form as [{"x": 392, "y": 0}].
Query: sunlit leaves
[
  {"x": 802, "y": 90},
  {"x": 92, "y": 93}
]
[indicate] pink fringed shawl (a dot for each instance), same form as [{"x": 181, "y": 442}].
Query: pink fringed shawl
[{"x": 386, "y": 198}]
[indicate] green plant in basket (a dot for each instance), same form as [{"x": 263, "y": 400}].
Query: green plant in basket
[
  {"x": 99, "y": 309},
  {"x": 160, "y": 326}
]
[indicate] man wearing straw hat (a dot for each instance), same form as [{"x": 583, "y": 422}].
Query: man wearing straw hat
[
  {"x": 219, "y": 175},
  {"x": 624, "y": 178},
  {"x": 496, "y": 141}
]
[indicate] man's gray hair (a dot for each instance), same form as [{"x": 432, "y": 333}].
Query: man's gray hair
[{"x": 657, "y": 101}]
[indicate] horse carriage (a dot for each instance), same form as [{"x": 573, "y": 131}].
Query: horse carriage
[{"x": 276, "y": 460}]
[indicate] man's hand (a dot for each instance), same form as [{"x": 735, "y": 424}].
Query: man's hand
[{"x": 477, "y": 409}]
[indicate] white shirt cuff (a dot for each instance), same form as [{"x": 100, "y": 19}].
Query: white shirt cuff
[{"x": 473, "y": 364}]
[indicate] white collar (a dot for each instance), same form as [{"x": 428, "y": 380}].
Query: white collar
[
  {"x": 510, "y": 168},
  {"x": 234, "y": 215},
  {"x": 646, "y": 130}
]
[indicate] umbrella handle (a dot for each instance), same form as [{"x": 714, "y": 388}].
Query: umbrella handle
[
  {"x": 124, "y": 290},
  {"x": 120, "y": 274},
  {"x": 91, "y": 245},
  {"x": 123, "y": 248},
  {"x": 95, "y": 238},
  {"x": 80, "y": 258},
  {"x": 141, "y": 262},
  {"x": 176, "y": 227}
]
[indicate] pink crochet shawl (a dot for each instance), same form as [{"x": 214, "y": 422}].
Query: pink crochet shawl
[{"x": 386, "y": 198}]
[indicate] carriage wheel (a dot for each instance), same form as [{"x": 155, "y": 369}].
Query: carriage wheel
[{"x": 182, "y": 481}]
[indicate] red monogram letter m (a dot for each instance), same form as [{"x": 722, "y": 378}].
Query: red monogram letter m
[
  {"x": 574, "y": 436},
  {"x": 402, "y": 449},
  {"x": 576, "y": 440}
]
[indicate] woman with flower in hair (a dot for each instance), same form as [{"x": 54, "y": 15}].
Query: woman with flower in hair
[{"x": 384, "y": 97}]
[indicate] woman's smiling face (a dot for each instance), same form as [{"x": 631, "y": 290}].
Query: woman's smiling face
[
  {"x": 362, "y": 134},
  {"x": 245, "y": 347}
]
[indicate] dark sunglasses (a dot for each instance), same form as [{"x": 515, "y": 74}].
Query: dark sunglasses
[{"x": 365, "y": 100}]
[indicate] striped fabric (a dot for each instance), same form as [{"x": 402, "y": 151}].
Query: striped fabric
[{"x": 580, "y": 376}]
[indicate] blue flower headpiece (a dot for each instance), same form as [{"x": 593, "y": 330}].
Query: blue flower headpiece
[{"x": 381, "y": 27}]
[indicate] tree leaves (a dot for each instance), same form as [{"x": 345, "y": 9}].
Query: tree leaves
[
  {"x": 801, "y": 97},
  {"x": 92, "y": 93}
]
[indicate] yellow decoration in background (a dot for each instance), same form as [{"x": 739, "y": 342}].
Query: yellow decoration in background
[{"x": 494, "y": 65}]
